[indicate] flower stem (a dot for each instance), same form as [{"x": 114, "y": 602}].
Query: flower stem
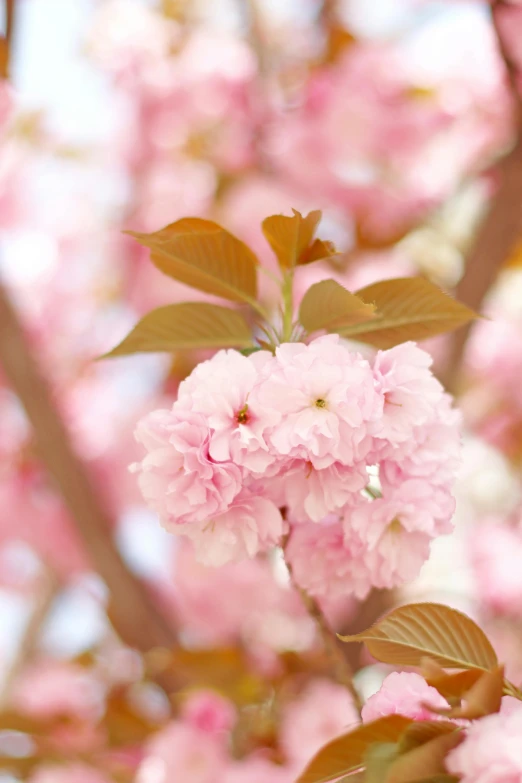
[
  {"x": 288, "y": 306},
  {"x": 340, "y": 666}
]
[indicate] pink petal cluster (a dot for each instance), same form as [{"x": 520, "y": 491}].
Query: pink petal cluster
[
  {"x": 182, "y": 751},
  {"x": 403, "y": 693},
  {"x": 239, "y": 603},
  {"x": 496, "y": 552},
  {"x": 52, "y": 689},
  {"x": 359, "y": 453},
  {"x": 323, "y": 711},
  {"x": 492, "y": 749},
  {"x": 68, "y": 773}
]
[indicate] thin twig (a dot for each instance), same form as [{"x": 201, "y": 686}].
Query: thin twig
[
  {"x": 340, "y": 666},
  {"x": 31, "y": 634},
  {"x": 502, "y": 226},
  {"x": 132, "y": 612}
]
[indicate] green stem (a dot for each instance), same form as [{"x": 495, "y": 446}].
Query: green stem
[
  {"x": 288, "y": 306},
  {"x": 372, "y": 492}
]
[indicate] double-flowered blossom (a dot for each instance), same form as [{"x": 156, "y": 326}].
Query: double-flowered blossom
[
  {"x": 404, "y": 693},
  {"x": 353, "y": 458},
  {"x": 492, "y": 749}
]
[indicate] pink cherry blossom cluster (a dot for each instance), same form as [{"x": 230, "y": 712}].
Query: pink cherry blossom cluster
[
  {"x": 350, "y": 460},
  {"x": 491, "y": 750}
]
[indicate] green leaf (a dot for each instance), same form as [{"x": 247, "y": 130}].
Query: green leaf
[
  {"x": 409, "y": 308},
  {"x": 202, "y": 254},
  {"x": 407, "y": 634},
  {"x": 327, "y": 305},
  {"x": 290, "y": 238},
  {"x": 345, "y": 754},
  {"x": 186, "y": 325}
]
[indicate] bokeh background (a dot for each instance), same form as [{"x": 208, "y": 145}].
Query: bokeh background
[{"x": 400, "y": 120}]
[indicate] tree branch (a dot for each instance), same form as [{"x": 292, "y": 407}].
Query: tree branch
[
  {"x": 341, "y": 667},
  {"x": 134, "y": 616},
  {"x": 7, "y": 40},
  {"x": 31, "y": 635},
  {"x": 501, "y": 228}
]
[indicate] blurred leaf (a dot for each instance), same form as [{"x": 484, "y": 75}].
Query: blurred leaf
[
  {"x": 123, "y": 724},
  {"x": 514, "y": 260},
  {"x": 14, "y": 721},
  {"x": 424, "y": 731},
  {"x": 225, "y": 669},
  {"x": 424, "y": 761},
  {"x": 189, "y": 325},
  {"x": 339, "y": 40},
  {"x": 483, "y": 698},
  {"x": 409, "y": 308},
  {"x": 408, "y": 634},
  {"x": 202, "y": 254},
  {"x": 346, "y": 753},
  {"x": 21, "y": 767},
  {"x": 4, "y": 58},
  {"x": 290, "y": 238},
  {"x": 327, "y": 305}
]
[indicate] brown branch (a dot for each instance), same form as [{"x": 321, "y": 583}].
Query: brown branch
[
  {"x": 501, "y": 228},
  {"x": 31, "y": 635},
  {"x": 7, "y": 40},
  {"x": 132, "y": 612},
  {"x": 340, "y": 666}
]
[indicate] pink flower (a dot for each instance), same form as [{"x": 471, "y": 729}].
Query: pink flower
[
  {"x": 257, "y": 770},
  {"x": 313, "y": 494},
  {"x": 321, "y": 712},
  {"x": 395, "y": 545},
  {"x": 433, "y": 450},
  {"x": 327, "y": 564},
  {"x": 496, "y": 555},
  {"x": 410, "y": 391},
  {"x": 178, "y": 478},
  {"x": 240, "y": 602},
  {"x": 221, "y": 390},
  {"x": 209, "y": 712},
  {"x": 69, "y": 773},
  {"x": 403, "y": 693},
  {"x": 492, "y": 749},
  {"x": 53, "y": 689},
  {"x": 325, "y": 399},
  {"x": 251, "y": 525},
  {"x": 185, "y": 753}
]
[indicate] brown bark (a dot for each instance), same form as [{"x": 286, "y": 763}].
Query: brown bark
[
  {"x": 6, "y": 41},
  {"x": 132, "y": 612},
  {"x": 500, "y": 229}
]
